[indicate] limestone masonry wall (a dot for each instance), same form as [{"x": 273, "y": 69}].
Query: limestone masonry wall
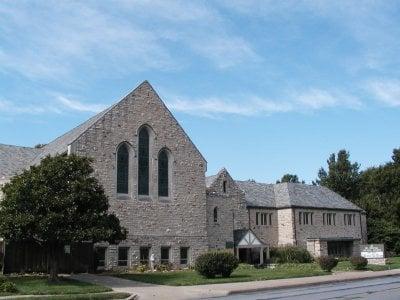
[
  {"x": 231, "y": 211},
  {"x": 179, "y": 220}
]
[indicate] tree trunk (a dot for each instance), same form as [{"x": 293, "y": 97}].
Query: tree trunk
[{"x": 53, "y": 260}]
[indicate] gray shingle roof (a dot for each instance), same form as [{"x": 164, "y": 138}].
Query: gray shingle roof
[
  {"x": 14, "y": 159},
  {"x": 60, "y": 144},
  {"x": 210, "y": 180},
  {"x": 292, "y": 195},
  {"x": 258, "y": 194}
]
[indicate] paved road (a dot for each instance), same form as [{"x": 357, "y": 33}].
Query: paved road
[{"x": 386, "y": 288}]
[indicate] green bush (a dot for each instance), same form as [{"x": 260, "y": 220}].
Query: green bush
[
  {"x": 163, "y": 267},
  {"x": 8, "y": 287},
  {"x": 2, "y": 279},
  {"x": 327, "y": 263},
  {"x": 215, "y": 263},
  {"x": 359, "y": 262},
  {"x": 142, "y": 268},
  {"x": 290, "y": 254}
]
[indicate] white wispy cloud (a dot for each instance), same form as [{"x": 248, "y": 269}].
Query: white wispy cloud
[
  {"x": 251, "y": 105},
  {"x": 80, "y": 106},
  {"x": 55, "y": 42},
  {"x": 316, "y": 99},
  {"x": 59, "y": 105},
  {"x": 386, "y": 91},
  {"x": 215, "y": 107},
  {"x": 12, "y": 108}
]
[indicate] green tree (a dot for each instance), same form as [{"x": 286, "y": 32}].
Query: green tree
[
  {"x": 57, "y": 203},
  {"x": 289, "y": 178},
  {"x": 342, "y": 175},
  {"x": 380, "y": 198}
]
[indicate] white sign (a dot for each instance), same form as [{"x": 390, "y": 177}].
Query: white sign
[{"x": 373, "y": 251}]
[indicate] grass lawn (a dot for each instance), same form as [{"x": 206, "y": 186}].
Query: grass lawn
[
  {"x": 39, "y": 285},
  {"x": 392, "y": 263},
  {"x": 248, "y": 273},
  {"x": 242, "y": 273}
]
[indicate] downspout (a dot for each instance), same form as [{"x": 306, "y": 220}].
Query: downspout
[
  {"x": 294, "y": 226},
  {"x": 361, "y": 227}
]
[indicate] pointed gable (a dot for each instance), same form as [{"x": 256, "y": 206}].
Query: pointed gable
[
  {"x": 60, "y": 144},
  {"x": 216, "y": 183},
  {"x": 246, "y": 239}
]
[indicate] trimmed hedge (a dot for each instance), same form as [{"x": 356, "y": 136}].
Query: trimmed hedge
[
  {"x": 327, "y": 263},
  {"x": 359, "y": 262},
  {"x": 290, "y": 254},
  {"x": 215, "y": 263}
]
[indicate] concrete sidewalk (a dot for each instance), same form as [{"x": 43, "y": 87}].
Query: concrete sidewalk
[{"x": 146, "y": 291}]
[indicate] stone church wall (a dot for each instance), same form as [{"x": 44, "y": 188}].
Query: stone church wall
[
  {"x": 231, "y": 210},
  {"x": 179, "y": 220}
]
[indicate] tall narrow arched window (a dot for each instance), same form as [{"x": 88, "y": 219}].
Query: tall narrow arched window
[
  {"x": 163, "y": 174},
  {"x": 215, "y": 214},
  {"x": 123, "y": 169},
  {"x": 143, "y": 162}
]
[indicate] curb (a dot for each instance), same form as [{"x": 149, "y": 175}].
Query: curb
[{"x": 297, "y": 285}]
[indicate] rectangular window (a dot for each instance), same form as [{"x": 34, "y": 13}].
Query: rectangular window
[
  {"x": 323, "y": 218},
  {"x": 329, "y": 218},
  {"x": 270, "y": 219},
  {"x": 224, "y": 186},
  {"x": 100, "y": 255},
  {"x": 263, "y": 219},
  {"x": 349, "y": 219},
  {"x": 144, "y": 255},
  {"x": 123, "y": 256},
  {"x": 184, "y": 252},
  {"x": 306, "y": 218},
  {"x": 165, "y": 255}
]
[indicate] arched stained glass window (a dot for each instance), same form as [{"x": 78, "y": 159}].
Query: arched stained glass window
[
  {"x": 163, "y": 174},
  {"x": 123, "y": 169},
  {"x": 215, "y": 214},
  {"x": 143, "y": 163}
]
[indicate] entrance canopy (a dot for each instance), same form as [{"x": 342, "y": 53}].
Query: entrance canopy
[{"x": 245, "y": 238}]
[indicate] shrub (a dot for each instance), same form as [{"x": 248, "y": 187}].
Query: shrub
[
  {"x": 359, "y": 262},
  {"x": 327, "y": 263},
  {"x": 290, "y": 254},
  {"x": 163, "y": 267},
  {"x": 8, "y": 287},
  {"x": 2, "y": 279},
  {"x": 142, "y": 268},
  {"x": 215, "y": 263}
]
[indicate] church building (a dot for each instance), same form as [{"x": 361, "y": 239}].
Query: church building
[{"x": 154, "y": 177}]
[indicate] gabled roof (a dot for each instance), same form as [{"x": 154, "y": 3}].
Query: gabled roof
[
  {"x": 14, "y": 159},
  {"x": 292, "y": 195},
  {"x": 211, "y": 179},
  {"x": 60, "y": 144},
  {"x": 245, "y": 238},
  {"x": 258, "y": 194}
]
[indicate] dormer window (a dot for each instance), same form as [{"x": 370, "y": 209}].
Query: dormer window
[{"x": 224, "y": 186}]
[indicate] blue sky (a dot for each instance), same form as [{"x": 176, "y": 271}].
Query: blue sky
[{"x": 263, "y": 88}]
